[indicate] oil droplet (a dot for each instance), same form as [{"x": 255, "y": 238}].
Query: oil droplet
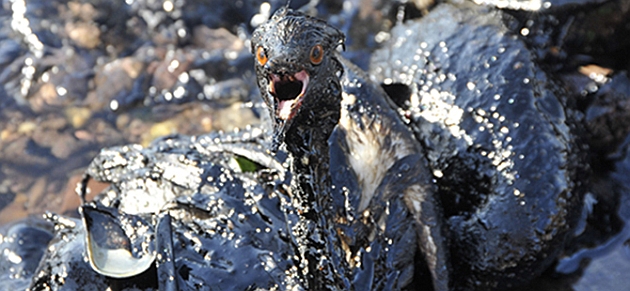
[
  {"x": 62, "y": 91},
  {"x": 525, "y": 31},
  {"x": 113, "y": 105},
  {"x": 168, "y": 6}
]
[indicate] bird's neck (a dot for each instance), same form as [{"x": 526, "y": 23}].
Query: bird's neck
[
  {"x": 307, "y": 143},
  {"x": 311, "y": 185},
  {"x": 310, "y": 150}
]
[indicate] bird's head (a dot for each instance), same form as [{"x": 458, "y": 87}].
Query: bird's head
[{"x": 297, "y": 70}]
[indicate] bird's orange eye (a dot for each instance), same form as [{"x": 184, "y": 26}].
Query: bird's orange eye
[
  {"x": 261, "y": 56},
  {"x": 317, "y": 54}
]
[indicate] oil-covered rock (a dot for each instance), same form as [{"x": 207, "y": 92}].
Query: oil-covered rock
[
  {"x": 214, "y": 218},
  {"x": 499, "y": 138}
]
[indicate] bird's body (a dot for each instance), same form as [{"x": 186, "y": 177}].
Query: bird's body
[{"x": 389, "y": 164}]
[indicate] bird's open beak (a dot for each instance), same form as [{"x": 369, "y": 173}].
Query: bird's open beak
[{"x": 288, "y": 92}]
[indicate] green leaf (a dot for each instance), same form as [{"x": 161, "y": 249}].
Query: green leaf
[{"x": 246, "y": 164}]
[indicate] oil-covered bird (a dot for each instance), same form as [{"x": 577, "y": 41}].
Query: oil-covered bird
[{"x": 361, "y": 181}]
